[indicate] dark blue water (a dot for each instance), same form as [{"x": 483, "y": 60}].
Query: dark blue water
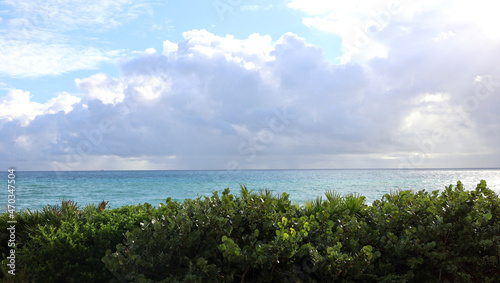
[{"x": 34, "y": 190}]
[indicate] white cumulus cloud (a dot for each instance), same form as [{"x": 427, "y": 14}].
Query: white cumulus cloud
[
  {"x": 17, "y": 106},
  {"x": 215, "y": 102}
]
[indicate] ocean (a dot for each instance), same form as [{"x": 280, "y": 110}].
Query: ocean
[{"x": 34, "y": 190}]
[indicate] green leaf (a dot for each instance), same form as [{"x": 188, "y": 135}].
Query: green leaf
[
  {"x": 256, "y": 233},
  {"x": 488, "y": 216}
]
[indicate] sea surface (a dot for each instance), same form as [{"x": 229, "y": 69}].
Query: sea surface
[{"x": 34, "y": 190}]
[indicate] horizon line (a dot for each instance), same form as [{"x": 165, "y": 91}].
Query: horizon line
[{"x": 279, "y": 169}]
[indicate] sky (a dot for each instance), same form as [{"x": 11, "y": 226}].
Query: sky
[{"x": 249, "y": 84}]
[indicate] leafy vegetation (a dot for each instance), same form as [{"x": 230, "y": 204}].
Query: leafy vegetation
[{"x": 451, "y": 235}]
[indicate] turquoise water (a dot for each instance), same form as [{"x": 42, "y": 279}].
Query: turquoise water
[{"x": 34, "y": 190}]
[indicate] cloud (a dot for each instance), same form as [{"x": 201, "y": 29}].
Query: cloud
[
  {"x": 363, "y": 24},
  {"x": 17, "y": 106},
  {"x": 43, "y": 38},
  {"x": 74, "y": 14},
  {"x": 101, "y": 87},
  {"x": 215, "y": 102},
  {"x": 35, "y": 59}
]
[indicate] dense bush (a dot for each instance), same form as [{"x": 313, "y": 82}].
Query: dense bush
[
  {"x": 451, "y": 235},
  {"x": 66, "y": 244}
]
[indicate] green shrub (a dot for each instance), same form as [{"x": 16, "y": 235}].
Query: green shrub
[
  {"x": 65, "y": 244},
  {"x": 440, "y": 236},
  {"x": 255, "y": 238},
  {"x": 451, "y": 235}
]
